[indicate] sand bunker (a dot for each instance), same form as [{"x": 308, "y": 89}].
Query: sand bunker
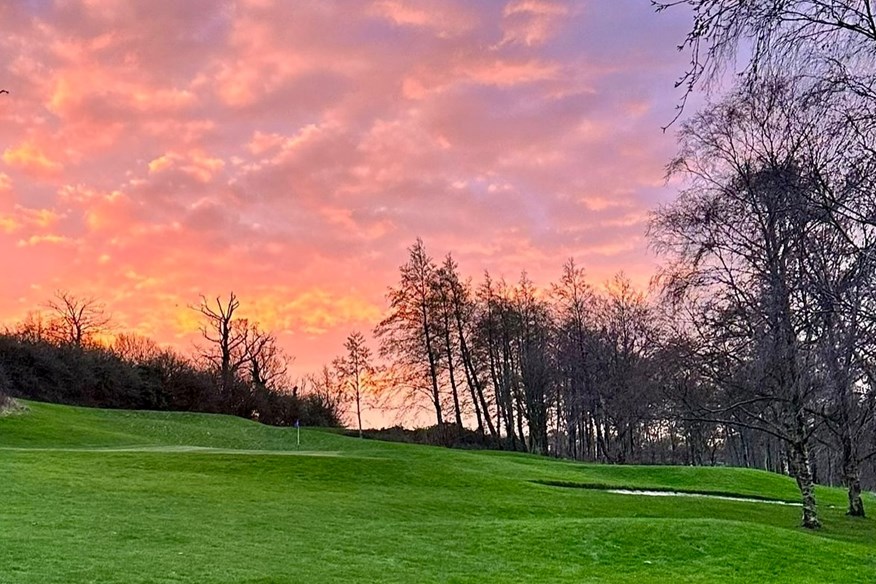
[{"x": 646, "y": 493}]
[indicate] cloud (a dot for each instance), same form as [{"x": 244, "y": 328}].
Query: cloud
[
  {"x": 442, "y": 18},
  {"x": 47, "y": 239},
  {"x": 30, "y": 158},
  {"x": 532, "y": 22},
  {"x": 291, "y": 151},
  {"x": 196, "y": 165}
]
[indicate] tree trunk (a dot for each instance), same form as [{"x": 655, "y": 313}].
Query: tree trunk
[
  {"x": 852, "y": 482},
  {"x": 520, "y": 410},
  {"x": 477, "y": 409},
  {"x": 474, "y": 389},
  {"x": 433, "y": 365},
  {"x": 359, "y": 405},
  {"x": 589, "y": 445},
  {"x": 798, "y": 458},
  {"x": 601, "y": 445},
  {"x": 850, "y": 464},
  {"x": 482, "y": 411},
  {"x": 451, "y": 368},
  {"x": 507, "y": 397}
]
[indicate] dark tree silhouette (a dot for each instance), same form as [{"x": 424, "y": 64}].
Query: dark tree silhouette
[
  {"x": 832, "y": 43},
  {"x": 227, "y": 338},
  {"x": 411, "y": 331},
  {"x": 76, "y": 320},
  {"x": 763, "y": 243}
]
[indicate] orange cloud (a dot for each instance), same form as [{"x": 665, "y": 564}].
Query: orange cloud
[
  {"x": 30, "y": 158},
  {"x": 49, "y": 239},
  {"x": 316, "y": 311},
  {"x": 9, "y": 224},
  {"x": 197, "y": 165},
  {"x": 21, "y": 218},
  {"x": 41, "y": 218}
]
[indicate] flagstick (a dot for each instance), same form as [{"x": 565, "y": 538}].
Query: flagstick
[{"x": 298, "y": 434}]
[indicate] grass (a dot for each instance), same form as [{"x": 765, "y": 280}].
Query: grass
[{"x": 143, "y": 497}]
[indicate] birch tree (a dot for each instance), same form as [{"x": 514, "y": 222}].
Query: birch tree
[
  {"x": 737, "y": 235},
  {"x": 831, "y": 43}
]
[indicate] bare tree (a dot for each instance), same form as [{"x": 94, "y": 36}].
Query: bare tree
[
  {"x": 494, "y": 331},
  {"x": 841, "y": 264},
  {"x": 35, "y": 328},
  {"x": 267, "y": 363},
  {"x": 444, "y": 328},
  {"x": 76, "y": 320},
  {"x": 831, "y": 45},
  {"x": 135, "y": 348},
  {"x": 356, "y": 372},
  {"x": 326, "y": 386},
  {"x": 512, "y": 335},
  {"x": 831, "y": 42},
  {"x": 574, "y": 305},
  {"x": 459, "y": 326},
  {"x": 533, "y": 344},
  {"x": 410, "y": 333},
  {"x": 227, "y": 338},
  {"x": 738, "y": 237},
  {"x": 623, "y": 391}
]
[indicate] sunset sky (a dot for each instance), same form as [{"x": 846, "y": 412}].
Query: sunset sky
[{"x": 154, "y": 151}]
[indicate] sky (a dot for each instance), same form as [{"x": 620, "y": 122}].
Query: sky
[{"x": 152, "y": 152}]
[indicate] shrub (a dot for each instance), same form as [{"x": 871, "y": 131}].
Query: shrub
[
  {"x": 4, "y": 388},
  {"x": 32, "y": 368},
  {"x": 446, "y": 435}
]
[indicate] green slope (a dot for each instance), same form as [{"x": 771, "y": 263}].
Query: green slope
[{"x": 135, "y": 497}]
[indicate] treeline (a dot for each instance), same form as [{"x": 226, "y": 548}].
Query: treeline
[
  {"x": 239, "y": 370},
  {"x": 613, "y": 375},
  {"x": 568, "y": 370},
  {"x": 758, "y": 344}
]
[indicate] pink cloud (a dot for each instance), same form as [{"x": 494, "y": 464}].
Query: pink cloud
[
  {"x": 445, "y": 19},
  {"x": 292, "y": 151},
  {"x": 532, "y": 22}
]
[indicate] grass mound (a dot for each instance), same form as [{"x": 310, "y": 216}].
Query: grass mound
[{"x": 145, "y": 497}]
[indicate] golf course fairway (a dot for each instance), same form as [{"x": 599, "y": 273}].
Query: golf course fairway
[{"x": 101, "y": 496}]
